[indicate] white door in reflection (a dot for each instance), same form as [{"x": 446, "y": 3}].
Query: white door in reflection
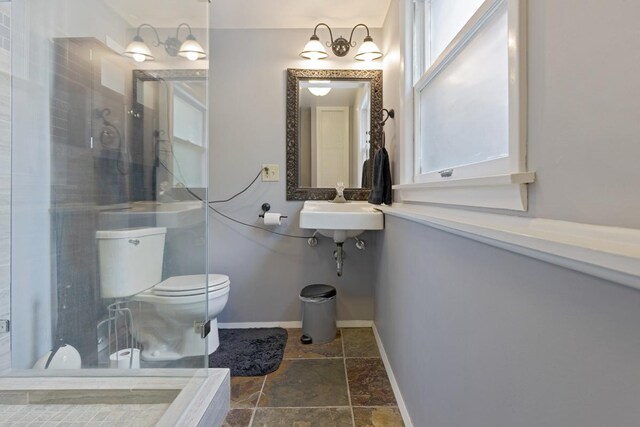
[{"x": 330, "y": 146}]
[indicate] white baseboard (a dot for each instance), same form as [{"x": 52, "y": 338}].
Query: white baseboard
[
  {"x": 392, "y": 379},
  {"x": 294, "y": 324}
]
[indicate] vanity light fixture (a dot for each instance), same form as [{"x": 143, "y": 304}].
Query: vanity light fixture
[
  {"x": 320, "y": 87},
  {"x": 190, "y": 48},
  {"x": 314, "y": 49}
]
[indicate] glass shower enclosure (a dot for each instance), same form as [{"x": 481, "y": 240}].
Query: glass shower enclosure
[{"x": 109, "y": 131}]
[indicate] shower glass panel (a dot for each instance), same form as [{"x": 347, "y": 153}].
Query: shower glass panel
[{"x": 109, "y": 177}]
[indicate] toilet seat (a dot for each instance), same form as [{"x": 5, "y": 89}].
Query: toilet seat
[{"x": 182, "y": 286}]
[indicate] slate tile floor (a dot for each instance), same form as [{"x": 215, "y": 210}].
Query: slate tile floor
[{"x": 342, "y": 383}]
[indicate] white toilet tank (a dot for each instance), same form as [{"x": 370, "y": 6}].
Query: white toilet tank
[{"x": 130, "y": 260}]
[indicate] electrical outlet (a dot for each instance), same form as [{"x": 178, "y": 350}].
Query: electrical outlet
[{"x": 270, "y": 172}]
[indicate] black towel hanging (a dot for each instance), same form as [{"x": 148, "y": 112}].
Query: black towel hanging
[{"x": 381, "y": 188}]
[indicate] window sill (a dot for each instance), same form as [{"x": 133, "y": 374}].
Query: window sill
[
  {"x": 188, "y": 144},
  {"x": 500, "y": 191},
  {"x": 610, "y": 253}
]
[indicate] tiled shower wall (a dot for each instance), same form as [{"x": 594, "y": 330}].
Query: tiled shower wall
[
  {"x": 5, "y": 179},
  {"x": 84, "y": 178}
]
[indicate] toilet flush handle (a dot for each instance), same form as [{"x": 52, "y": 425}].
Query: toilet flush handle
[{"x": 134, "y": 242}]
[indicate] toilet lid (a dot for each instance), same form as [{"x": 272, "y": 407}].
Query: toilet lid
[{"x": 190, "y": 285}]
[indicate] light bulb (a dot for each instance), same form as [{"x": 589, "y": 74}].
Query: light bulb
[
  {"x": 138, "y": 50},
  {"x": 191, "y": 49}
]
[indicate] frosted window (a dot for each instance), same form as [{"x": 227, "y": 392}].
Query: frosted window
[
  {"x": 188, "y": 121},
  {"x": 447, "y": 19},
  {"x": 464, "y": 109},
  {"x": 188, "y": 132},
  {"x": 188, "y": 164}
]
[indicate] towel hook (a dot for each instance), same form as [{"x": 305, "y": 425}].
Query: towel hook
[{"x": 390, "y": 114}]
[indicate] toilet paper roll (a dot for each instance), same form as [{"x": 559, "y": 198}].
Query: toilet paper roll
[
  {"x": 272, "y": 218},
  {"x": 122, "y": 359}
]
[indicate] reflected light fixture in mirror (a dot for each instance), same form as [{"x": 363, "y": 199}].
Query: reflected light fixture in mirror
[
  {"x": 320, "y": 87},
  {"x": 314, "y": 49},
  {"x": 190, "y": 48}
]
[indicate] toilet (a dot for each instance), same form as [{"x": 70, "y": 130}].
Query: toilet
[{"x": 164, "y": 311}]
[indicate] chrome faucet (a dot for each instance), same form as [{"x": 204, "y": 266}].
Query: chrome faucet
[{"x": 339, "y": 196}]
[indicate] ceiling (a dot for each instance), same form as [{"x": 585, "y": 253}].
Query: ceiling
[{"x": 243, "y": 14}]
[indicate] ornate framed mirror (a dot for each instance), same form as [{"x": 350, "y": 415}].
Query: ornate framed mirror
[{"x": 332, "y": 130}]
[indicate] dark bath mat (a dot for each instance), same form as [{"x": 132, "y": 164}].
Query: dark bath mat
[{"x": 249, "y": 352}]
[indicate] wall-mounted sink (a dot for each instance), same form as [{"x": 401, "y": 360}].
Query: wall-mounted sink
[{"x": 340, "y": 221}]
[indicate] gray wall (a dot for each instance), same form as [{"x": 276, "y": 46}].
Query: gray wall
[
  {"x": 481, "y": 337},
  {"x": 35, "y": 24},
  {"x": 583, "y": 111},
  {"x": 478, "y": 336},
  {"x": 5, "y": 182},
  {"x": 248, "y": 129},
  {"x": 392, "y": 68},
  {"x": 31, "y": 325}
]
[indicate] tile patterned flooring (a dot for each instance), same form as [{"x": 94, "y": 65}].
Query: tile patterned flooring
[
  {"x": 141, "y": 415},
  {"x": 341, "y": 383}
]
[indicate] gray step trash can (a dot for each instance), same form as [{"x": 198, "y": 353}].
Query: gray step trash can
[{"x": 318, "y": 314}]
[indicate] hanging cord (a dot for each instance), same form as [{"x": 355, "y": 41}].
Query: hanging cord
[
  {"x": 181, "y": 182},
  {"x": 240, "y": 192},
  {"x": 255, "y": 226},
  {"x": 226, "y": 200}
]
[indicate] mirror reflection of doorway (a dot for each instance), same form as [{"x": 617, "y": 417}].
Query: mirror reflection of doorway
[
  {"x": 330, "y": 146},
  {"x": 333, "y": 133}
]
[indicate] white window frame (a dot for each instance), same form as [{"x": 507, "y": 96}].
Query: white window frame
[
  {"x": 197, "y": 105},
  {"x": 176, "y": 140},
  {"x": 499, "y": 183}
]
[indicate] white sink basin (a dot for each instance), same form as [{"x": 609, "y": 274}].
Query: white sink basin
[{"x": 340, "y": 220}]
